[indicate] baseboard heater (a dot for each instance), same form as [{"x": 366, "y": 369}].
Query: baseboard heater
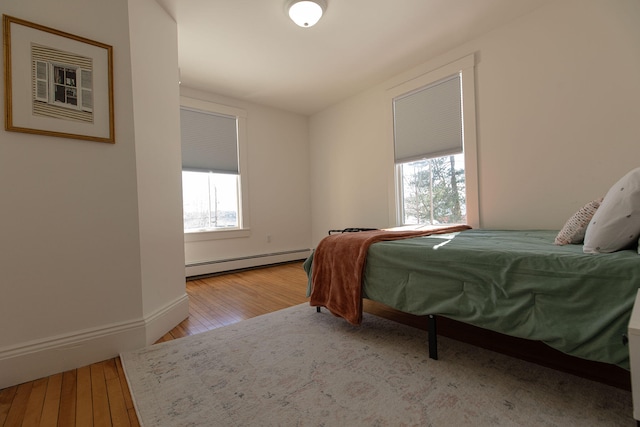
[{"x": 228, "y": 264}]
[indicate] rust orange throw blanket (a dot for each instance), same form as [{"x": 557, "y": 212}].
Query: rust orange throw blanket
[{"x": 338, "y": 266}]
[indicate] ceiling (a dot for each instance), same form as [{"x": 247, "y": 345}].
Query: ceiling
[{"x": 250, "y": 50}]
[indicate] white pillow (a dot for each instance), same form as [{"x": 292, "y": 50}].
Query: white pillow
[
  {"x": 576, "y": 226},
  {"x": 616, "y": 223}
]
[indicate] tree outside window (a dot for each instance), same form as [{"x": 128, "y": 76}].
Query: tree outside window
[{"x": 433, "y": 191}]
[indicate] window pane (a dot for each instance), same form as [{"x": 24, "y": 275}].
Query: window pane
[
  {"x": 59, "y": 93},
  {"x": 433, "y": 191},
  {"x": 210, "y": 200}
]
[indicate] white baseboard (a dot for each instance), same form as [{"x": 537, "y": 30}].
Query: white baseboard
[
  {"x": 166, "y": 318},
  {"x": 40, "y": 358},
  {"x": 218, "y": 266}
]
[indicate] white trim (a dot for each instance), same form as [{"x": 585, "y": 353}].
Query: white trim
[
  {"x": 198, "y": 236},
  {"x": 243, "y": 196},
  {"x": 200, "y": 104},
  {"x": 51, "y": 355},
  {"x": 470, "y": 145},
  {"x": 466, "y": 66},
  {"x": 166, "y": 318},
  {"x": 40, "y": 358},
  {"x": 68, "y": 340},
  {"x": 399, "y": 88}
]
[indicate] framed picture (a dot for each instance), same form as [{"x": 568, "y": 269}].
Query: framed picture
[{"x": 56, "y": 83}]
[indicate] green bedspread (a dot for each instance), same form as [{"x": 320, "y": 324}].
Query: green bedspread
[{"x": 514, "y": 282}]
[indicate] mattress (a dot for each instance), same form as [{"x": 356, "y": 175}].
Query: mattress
[{"x": 517, "y": 283}]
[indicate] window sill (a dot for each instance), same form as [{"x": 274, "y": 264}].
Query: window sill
[{"x": 197, "y": 236}]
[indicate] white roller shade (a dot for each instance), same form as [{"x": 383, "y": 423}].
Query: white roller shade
[
  {"x": 209, "y": 141},
  {"x": 428, "y": 122}
]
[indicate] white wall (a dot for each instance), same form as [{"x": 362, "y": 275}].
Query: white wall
[
  {"x": 154, "y": 61},
  {"x": 74, "y": 249},
  {"x": 349, "y": 165},
  {"x": 557, "y": 122},
  {"x": 558, "y": 110},
  {"x": 279, "y": 200}
]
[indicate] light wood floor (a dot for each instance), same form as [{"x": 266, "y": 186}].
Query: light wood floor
[{"x": 98, "y": 395}]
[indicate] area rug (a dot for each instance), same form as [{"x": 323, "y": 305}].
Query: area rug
[{"x": 296, "y": 367}]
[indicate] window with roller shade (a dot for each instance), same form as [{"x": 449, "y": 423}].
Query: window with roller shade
[
  {"x": 429, "y": 153},
  {"x": 211, "y": 170}
]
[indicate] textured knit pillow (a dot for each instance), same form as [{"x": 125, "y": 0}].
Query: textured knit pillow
[
  {"x": 576, "y": 226},
  {"x": 616, "y": 223}
]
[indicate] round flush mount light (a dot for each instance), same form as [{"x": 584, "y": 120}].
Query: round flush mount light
[{"x": 305, "y": 13}]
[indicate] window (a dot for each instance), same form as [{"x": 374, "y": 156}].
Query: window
[
  {"x": 212, "y": 139},
  {"x": 210, "y": 201},
  {"x": 433, "y": 191},
  {"x": 434, "y": 147}
]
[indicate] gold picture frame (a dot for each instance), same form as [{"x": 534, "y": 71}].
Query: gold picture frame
[{"x": 56, "y": 83}]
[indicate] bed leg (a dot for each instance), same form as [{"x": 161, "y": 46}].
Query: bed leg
[
  {"x": 433, "y": 339},
  {"x": 318, "y": 309}
]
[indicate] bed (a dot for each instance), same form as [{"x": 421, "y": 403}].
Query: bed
[{"x": 517, "y": 283}]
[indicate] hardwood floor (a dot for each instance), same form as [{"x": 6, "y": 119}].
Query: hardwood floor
[{"x": 98, "y": 395}]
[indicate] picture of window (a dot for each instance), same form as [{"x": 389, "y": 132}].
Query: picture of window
[
  {"x": 57, "y": 84},
  {"x": 62, "y": 84}
]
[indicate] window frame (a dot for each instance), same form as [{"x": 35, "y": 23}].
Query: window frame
[
  {"x": 244, "y": 228},
  {"x": 466, "y": 67}
]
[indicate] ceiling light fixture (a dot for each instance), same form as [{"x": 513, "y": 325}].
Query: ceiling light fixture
[{"x": 306, "y": 13}]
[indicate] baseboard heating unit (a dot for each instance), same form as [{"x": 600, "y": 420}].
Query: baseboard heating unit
[{"x": 216, "y": 266}]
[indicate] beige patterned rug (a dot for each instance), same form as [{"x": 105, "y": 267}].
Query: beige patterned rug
[{"x": 296, "y": 367}]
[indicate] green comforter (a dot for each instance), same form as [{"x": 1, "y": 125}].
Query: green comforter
[{"x": 514, "y": 282}]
